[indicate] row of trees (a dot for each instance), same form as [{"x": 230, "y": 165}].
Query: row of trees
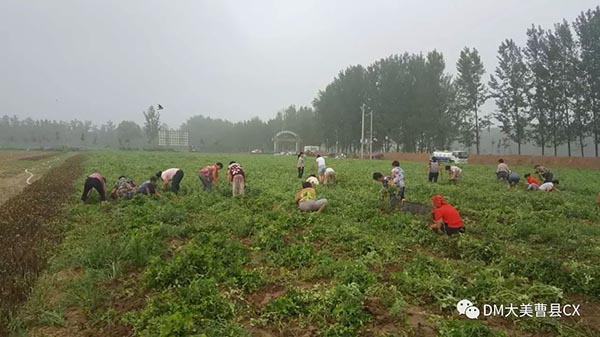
[
  {"x": 54, "y": 134},
  {"x": 546, "y": 93},
  {"x": 74, "y": 134},
  {"x": 206, "y": 134}
]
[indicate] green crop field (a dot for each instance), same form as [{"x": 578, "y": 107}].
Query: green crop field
[{"x": 207, "y": 264}]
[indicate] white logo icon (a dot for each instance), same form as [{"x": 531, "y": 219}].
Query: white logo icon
[
  {"x": 472, "y": 312},
  {"x": 463, "y": 305},
  {"x": 466, "y": 307}
]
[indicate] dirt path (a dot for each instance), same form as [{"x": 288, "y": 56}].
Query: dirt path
[
  {"x": 27, "y": 234},
  {"x": 20, "y": 169}
]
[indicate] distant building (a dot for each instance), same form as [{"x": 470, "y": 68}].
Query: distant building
[{"x": 177, "y": 140}]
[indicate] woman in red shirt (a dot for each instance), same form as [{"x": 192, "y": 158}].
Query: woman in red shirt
[{"x": 445, "y": 217}]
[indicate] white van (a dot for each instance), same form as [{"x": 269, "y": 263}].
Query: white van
[{"x": 460, "y": 157}]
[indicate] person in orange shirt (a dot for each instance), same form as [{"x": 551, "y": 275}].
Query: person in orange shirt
[
  {"x": 446, "y": 218},
  {"x": 209, "y": 176},
  {"x": 532, "y": 183}
]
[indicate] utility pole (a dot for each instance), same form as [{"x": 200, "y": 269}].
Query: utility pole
[
  {"x": 362, "y": 135},
  {"x": 371, "y": 137}
]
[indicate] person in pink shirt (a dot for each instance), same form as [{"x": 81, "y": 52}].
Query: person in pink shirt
[
  {"x": 209, "y": 176},
  {"x": 173, "y": 176},
  {"x": 94, "y": 181}
]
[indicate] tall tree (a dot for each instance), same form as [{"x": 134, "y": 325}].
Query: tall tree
[
  {"x": 129, "y": 135},
  {"x": 509, "y": 88},
  {"x": 587, "y": 26},
  {"x": 566, "y": 83},
  {"x": 152, "y": 125},
  {"x": 471, "y": 94},
  {"x": 535, "y": 56}
]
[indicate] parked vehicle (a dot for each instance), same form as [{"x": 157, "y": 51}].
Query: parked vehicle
[{"x": 460, "y": 157}]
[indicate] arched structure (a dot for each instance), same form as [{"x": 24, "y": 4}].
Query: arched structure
[{"x": 285, "y": 137}]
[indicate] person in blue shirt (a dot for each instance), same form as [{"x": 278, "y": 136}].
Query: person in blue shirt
[{"x": 149, "y": 187}]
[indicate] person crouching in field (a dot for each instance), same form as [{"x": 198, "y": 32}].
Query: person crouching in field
[
  {"x": 532, "y": 182},
  {"x": 307, "y": 201},
  {"x": 502, "y": 170},
  {"x": 434, "y": 170},
  {"x": 300, "y": 165},
  {"x": 513, "y": 179},
  {"x": 173, "y": 176},
  {"x": 124, "y": 189},
  {"x": 94, "y": 181},
  {"x": 329, "y": 178},
  {"x": 209, "y": 175},
  {"x": 236, "y": 177},
  {"x": 545, "y": 175},
  {"x": 446, "y": 218},
  {"x": 551, "y": 186},
  {"x": 313, "y": 180},
  {"x": 454, "y": 173},
  {"x": 149, "y": 187},
  {"x": 398, "y": 179},
  {"x": 389, "y": 190}
]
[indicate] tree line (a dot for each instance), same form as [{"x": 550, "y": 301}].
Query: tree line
[{"x": 546, "y": 93}]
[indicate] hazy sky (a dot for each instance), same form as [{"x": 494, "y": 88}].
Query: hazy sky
[{"x": 100, "y": 60}]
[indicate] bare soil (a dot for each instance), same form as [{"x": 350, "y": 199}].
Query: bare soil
[
  {"x": 13, "y": 178},
  {"x": 27, "y": 232}
]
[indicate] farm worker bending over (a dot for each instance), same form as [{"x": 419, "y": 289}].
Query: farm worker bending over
[
  {"x": 389, "y": 190},
  {"x": 545, "y": 175},
  {"x": 124, "y": 188},
  {"x": 329, "y": 176},
  {"x": 513, "y": 179},
  {"x": 307, "y": 199},
  {"x": 434, "y": 170},
  {"x": 97, "y": 182},
  {"x": 321, "y": 167},
  {"x": 235, "y": 176},
  {"x": 454, "y": 173},
  {"x": 398, "y": 178},
  {"x": 532, "y": 183},
  {"x": 312, "y": 179},
  {"x": 209, "y": 175},
  {"x": 445, "y": 217},
  {"x": 149, "y": 187},
  {"x": 502, "y": 170},
  {"x": 172, "y": 175},
  {"x": 549, "y": 186},
  {"x": 300, "y": 164}
]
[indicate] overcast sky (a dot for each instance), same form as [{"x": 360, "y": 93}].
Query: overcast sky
[{"x": 111, "y": 59}]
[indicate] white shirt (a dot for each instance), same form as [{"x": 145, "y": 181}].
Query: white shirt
[
  {"x": 168, "y": 174},
  {"x": 321, "y": 161},
  {"x": 455, "y": 169},
  {"x": 312, "y": 180},
  {"x": 546, "y": 186}
]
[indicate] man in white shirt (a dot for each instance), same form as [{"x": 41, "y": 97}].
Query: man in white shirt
[
  {"x": 549, "y": 186},
  {"x": 321, "y": 167},
  {"x": 454, "y": 173}
]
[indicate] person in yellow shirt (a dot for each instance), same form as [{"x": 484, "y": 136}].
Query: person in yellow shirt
[{"x": 307, "y": 201}]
